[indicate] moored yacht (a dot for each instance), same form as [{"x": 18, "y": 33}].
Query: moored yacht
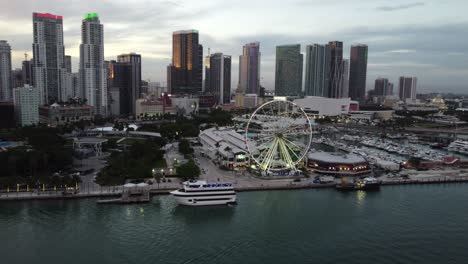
[
  {"x": 196, "y": 193},
  {"x": 459, "y": 146},
  {"x": 368, "y": 183}
]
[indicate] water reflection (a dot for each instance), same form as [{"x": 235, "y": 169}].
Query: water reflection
[{"x": 361, "y": 196}]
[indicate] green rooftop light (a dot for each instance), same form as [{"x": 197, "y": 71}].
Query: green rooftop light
[{"x": 91, "y": 15}]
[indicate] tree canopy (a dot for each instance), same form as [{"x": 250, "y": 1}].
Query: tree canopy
[
  {"x": 184, "y": 147},
  {"x": 46, "y": 155},
  {"x": 135, "y": 163},
  {"x": 189, "y": 170}
]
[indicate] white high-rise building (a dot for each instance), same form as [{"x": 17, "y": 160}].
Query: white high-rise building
[
  {"x": 93, "y": 72},
  {"x": 317, "y": 67},
  {"x": 26, "y": 100},
  {"x": 49, "y": 57},
  {"x": 407, "y": 88},
  {"x": 5, "y": 71}
]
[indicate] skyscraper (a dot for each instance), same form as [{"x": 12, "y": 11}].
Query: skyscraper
[
  {"x": 27, "y": 68},
  {"x": 127, "y": 77},
  {"x": 220, "y": 77},
  {"x": 317, "y": 67},
  {"x": 288, "y": 73},
  {"x": 49, "y": 57},
  {"x": 358, "y": 72},
  {"x": 68, "y": 63},
  {"x": 335, "y": 73},
  {"x": 249, "y": 68},
  {"x": 207, "y": 72},
  {"x": 381, "y": 87},
  {"x": 17, "y": 78},
  {"x": 93, "y": 72},
  {"x": 75, "y": 85},
  {"x": 185, "y": 74},
  {"x": 389, "y": 89},
  {"x": 344, "y": 91},
  {"x": 408, "y": 88},
  {"x": 5, "y": 71}
]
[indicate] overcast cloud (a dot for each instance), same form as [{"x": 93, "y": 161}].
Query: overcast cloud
[{"x": 427, "y": 39}]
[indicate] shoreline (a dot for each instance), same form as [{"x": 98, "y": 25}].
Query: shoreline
[{"x": 13, "y": 196}]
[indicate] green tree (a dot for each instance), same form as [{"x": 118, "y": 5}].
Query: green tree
[
  {"x": 184, "y": 147},
  {"x": 189, "y": 170}
]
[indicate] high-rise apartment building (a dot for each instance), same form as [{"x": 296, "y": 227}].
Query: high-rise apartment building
[
  {"x": 127, "y": 79},
  {"x": 5, "y": 71},
  {"x": 220, "y": 77},
  {"x": 249, "y": 68},
  {"x": 49, "y": 57},
  {"x": 185, "y": 74},
  {"x": 288, "y": 73},
  {"x": 93, "y": 72},
  {"x": 317, "y": 68},
  {"x": 335, "y": 71},
  {"x": 26, "y": 100},
  {"x": 407, "y": 88},
  {"x": 358, "y": 72}
]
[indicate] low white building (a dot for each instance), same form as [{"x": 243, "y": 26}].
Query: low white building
[
  {"x": 225, "y": 146},
  {"x": 322, "y": 106}
]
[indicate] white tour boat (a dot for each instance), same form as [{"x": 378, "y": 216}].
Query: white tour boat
[{"x": 200, "y": 192}]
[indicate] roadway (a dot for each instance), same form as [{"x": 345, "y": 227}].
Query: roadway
[{"x": 240, "y": 179}]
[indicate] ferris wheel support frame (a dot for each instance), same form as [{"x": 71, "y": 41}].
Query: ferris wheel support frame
[{"x": 279, "y": 142}]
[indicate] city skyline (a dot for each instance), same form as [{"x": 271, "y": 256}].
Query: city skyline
[{"x": 402, "y": 40}]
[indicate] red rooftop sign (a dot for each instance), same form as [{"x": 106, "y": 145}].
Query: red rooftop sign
[{"x": 47, "y": 15}]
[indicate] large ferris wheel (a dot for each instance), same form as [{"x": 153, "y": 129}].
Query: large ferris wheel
[{"x": 278, "y": 136}]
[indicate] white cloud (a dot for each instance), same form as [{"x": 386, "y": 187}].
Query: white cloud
[{"x": 400, "y": 51}]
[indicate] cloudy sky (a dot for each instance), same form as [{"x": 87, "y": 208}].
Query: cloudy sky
[{"x": 424, "y": 38}]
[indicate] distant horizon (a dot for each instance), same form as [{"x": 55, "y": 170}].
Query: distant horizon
[{"x": 402, "y": 39}]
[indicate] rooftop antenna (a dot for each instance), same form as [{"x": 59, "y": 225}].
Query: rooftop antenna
[
  {"x": 208, "y": 51},
  {"x": 25, "y": 56}
]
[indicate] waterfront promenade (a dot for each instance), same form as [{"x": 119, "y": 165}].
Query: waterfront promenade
[
  {"x": 240, "y": 187},
  {"x": 243, "y": 181}
]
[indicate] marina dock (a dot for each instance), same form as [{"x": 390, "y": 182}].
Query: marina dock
[{"x": 130, "y": 196}]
